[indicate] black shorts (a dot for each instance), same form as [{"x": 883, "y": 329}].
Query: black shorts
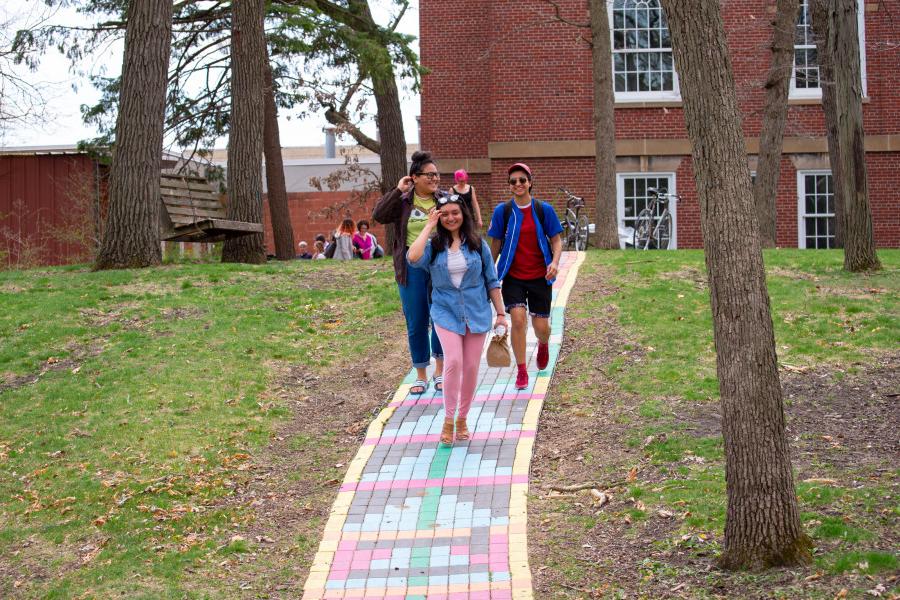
[{"x": 536, "y": 294}]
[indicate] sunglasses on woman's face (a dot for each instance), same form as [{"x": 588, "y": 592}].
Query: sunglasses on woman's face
[
  {"x": 445, "y": 200},
  {"x": 520, "y": 180},
  {"x": 430, "y": 176}
]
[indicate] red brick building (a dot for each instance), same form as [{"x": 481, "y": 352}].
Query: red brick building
[{"x": 509, "y": 81}]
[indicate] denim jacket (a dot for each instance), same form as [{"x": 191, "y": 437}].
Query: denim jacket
[{"x": 468, "y": 305}]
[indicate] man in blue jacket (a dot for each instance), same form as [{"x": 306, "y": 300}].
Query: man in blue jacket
[{"x": 524, "y": 235}]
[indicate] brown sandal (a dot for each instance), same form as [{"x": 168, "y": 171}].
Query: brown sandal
[
  {"x": 447, "y": 433},
  {"x": 462, "y": 431}
]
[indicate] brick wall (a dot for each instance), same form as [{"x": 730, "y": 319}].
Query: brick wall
[
  {"x": 320, "y": 212},
  {"x": 511, "y": 72}
]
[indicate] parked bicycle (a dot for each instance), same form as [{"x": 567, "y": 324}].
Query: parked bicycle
[
  {"x": 652, "y": 231},
  {"x": 575, "y": 225}
]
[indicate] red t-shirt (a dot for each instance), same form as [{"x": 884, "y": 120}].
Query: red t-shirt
[{"x": 528, "y": 262}]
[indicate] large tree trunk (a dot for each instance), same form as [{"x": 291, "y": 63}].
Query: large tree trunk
[
  {"x": 762, "y": 523},
  {"x": 841, "y": 41},
  {"x": 768, "y": 169},
  {"x": 606, "y": 227},
  {"x": 279, "y": 214},
  {"x": 389, "y": 118},
  {"x": 131, "y": 237},
  {"x": 818, "y": 11},
  {"x": 248, "y": 47}
]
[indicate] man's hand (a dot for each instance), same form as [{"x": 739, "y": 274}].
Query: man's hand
[{"x": 552, "y": 270}]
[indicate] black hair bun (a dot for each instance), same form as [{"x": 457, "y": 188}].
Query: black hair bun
[{"x": 420, "y": 156}]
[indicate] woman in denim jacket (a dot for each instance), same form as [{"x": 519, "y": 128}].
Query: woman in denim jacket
[{"x": 463, "y": 276}]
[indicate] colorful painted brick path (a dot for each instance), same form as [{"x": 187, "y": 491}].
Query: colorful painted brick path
[{"x": 415, "y": 519}]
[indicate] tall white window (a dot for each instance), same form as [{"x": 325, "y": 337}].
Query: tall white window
[
  {"x": 806, "y": 59},
  {"x": 633, "y": 197},
  {"x": 643, "y": 68},
  {"x": 815, "y": 210},
  {"x": 805, "y": 79}
]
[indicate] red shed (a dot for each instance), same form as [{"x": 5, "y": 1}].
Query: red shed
[{"x": 49, "y": 199}]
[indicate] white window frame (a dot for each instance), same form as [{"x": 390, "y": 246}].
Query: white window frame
[
  {"x": 673, "y": 95},
  {"x": 816, "y": 92},
  {"x": 801, "y": 203},
  {"x": 673, "y": 205}
]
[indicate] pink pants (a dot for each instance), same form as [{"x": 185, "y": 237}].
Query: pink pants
[{"x": 462, "y": 356}]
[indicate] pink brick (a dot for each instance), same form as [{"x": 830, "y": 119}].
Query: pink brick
[{"x": 458, "y": 550}]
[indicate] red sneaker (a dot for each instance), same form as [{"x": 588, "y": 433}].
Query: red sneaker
[
  {"x": 522, "y": 380},
  {"x": 543, "y": 356}
]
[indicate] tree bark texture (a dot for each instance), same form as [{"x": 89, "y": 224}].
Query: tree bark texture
[
  {"x": 279, "y": 214},
  {"x": 841, "y": 39},
  {"x": 771, "y": 138},
  {"x": 389, "y": 118},
  {"x": 819, "y": 13},
  {"x": 606, "y": 232},
  {"x": 248, "y": 49},
  {"x": 762, "y": 525},
  {"x": 131, "y": 237}
]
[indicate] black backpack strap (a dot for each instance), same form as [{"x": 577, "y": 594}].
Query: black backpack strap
[{"x": 507, "y": 211}]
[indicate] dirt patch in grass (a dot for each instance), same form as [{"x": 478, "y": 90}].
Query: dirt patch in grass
[
  {"x": 289, "y": 488},
  {"x": 78, "y": 353},
  {"x": 177, "y": 314},
  {"x": 34, "y": 560},
  {"x": 95, "y": 317},
  {"x": 843, "y": 427},
  {"x": 847, "y": 419},
  {"x": 697, "y": 276}
]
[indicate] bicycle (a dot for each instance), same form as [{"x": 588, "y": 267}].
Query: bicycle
[
  {"x": 651, "y": 231},
  {"x": 575, "y": 225}
]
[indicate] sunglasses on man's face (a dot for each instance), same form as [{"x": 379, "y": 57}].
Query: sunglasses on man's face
[
  {"x": 520, "y": 180},
  {"x": 429, "y": 176}
]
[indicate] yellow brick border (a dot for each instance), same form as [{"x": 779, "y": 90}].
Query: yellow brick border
[
  {"x": 520, "y": 571},
  {"x": 318, "y": 571}
]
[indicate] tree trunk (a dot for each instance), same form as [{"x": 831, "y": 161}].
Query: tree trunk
[
  {"x": 606, "y": 226},
  {"x": 248, "y": 47},
  {"x": 389, "y": 118},
  {"x": 842, "y": 41},
  {"x": 818, "y": 11},
  {"x": 768, "y": 169},
  {"x": 762, "y": 523},
  {"x": 280, "y": 216},
  {"x": 131, "y": 237}
]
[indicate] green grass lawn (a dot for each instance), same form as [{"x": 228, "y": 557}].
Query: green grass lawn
[
  {"x": 826, "y": 321},
  {"x": 821, "y": 314},
  {"x": 131, "y": 401}
]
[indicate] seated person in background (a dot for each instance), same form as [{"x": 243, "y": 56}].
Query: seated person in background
[
  {"x": 343, "y": 238},
  {"x": 304, "y": 251},
  {"x": 363, "y": 241},
  {"x": 319, "y": 253}
]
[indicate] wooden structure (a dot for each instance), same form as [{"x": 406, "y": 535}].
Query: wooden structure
[{"x": 194, "y": 212}]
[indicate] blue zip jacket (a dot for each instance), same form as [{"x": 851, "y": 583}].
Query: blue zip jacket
[
  {"x": 546, "y": 228},
  {"x": 468, "y": 305}
]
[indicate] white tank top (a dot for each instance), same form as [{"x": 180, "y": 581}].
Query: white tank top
[{"x": 456, "y": 264}]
